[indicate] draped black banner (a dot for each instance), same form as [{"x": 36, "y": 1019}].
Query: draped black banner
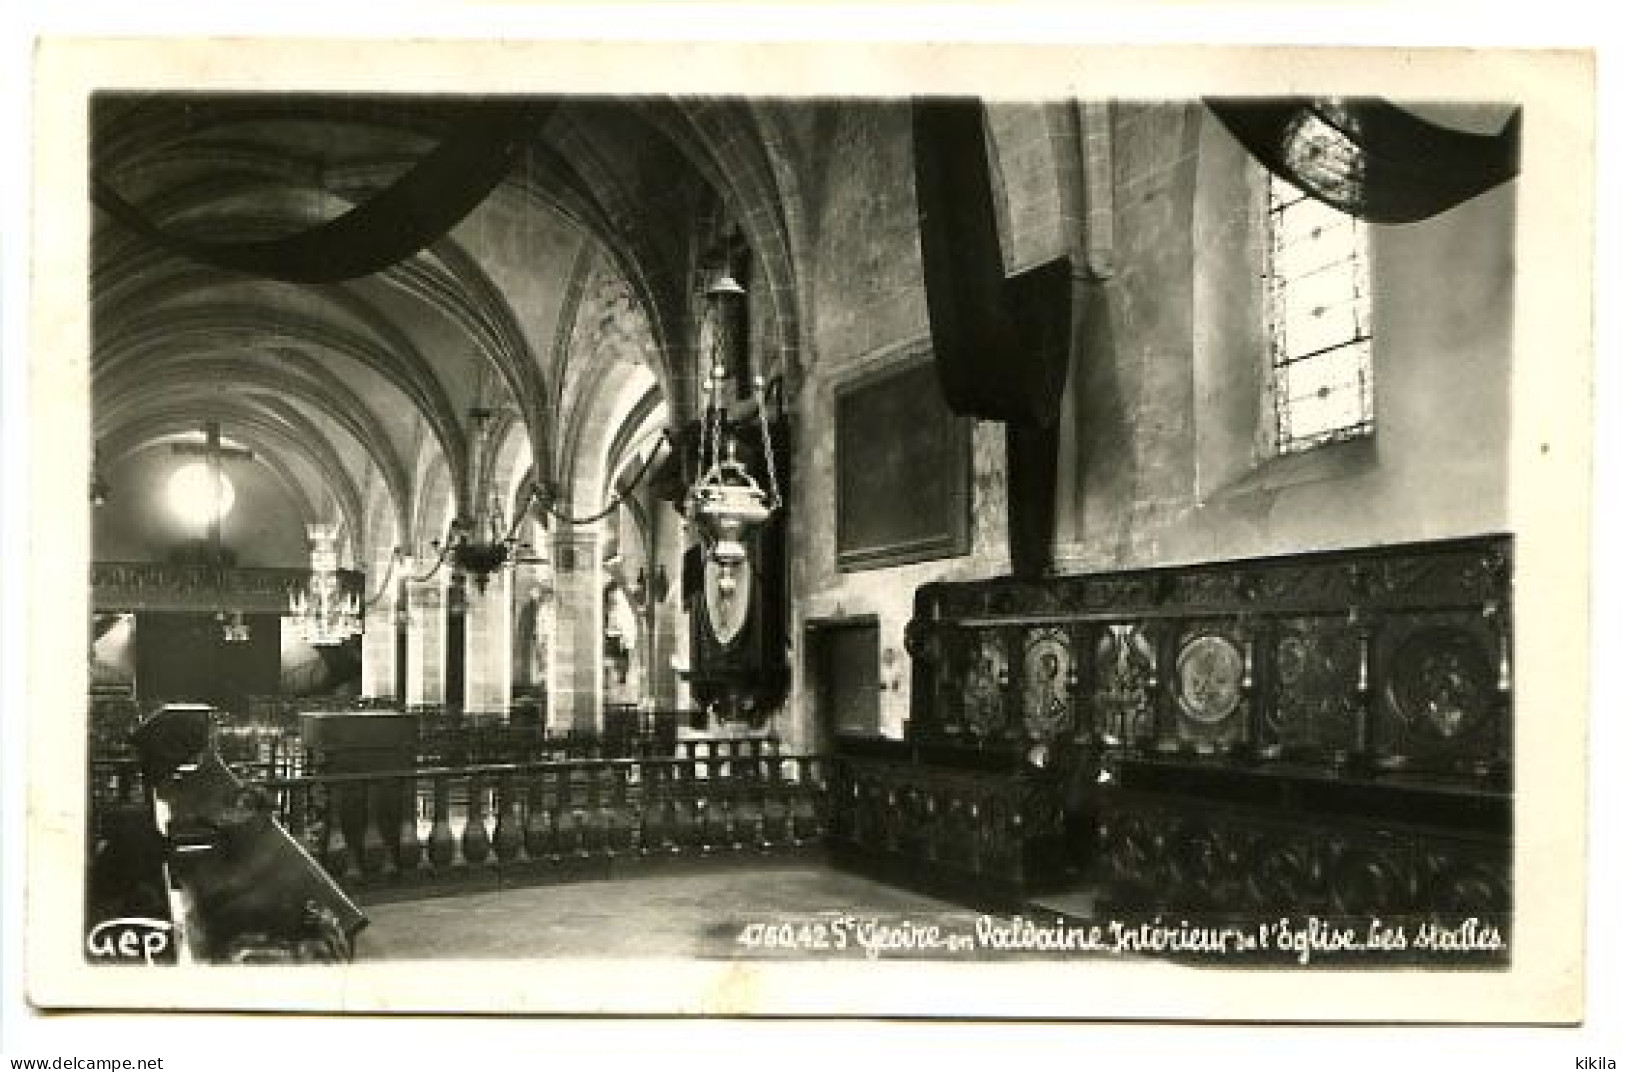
[
  {"x": 1002, "y": 343},
  {"x": 1368, "y": 157},
  {"x": 410, "y": 214}
]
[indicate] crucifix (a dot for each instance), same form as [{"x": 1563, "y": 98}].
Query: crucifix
[{"x": 214, "y": 453}]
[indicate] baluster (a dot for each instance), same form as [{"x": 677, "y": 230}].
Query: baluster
[
  {"x": 538, "y": 820},
  {"x": 509, "y": 840},
  {"x": 932, "y": 831},
  {"x": 442, "y": 842},
  {"x": 686, "y": 817},
  {"x": 293, "y": 806},
  {"x": 374, "y": 853},
  {"x": 740, "y": 814},
  {"x": 722, "y": 800},
  {"x": 790, "y": 774},
  {"x": 759, "y": 798},
  {"x": 773, "y": 807},
  {"x": 979, "y": 828},
  {"x": 804, "y": 816},
  {"x": 818, "y": 767},
  {"x": 408, "y": 849},
  {"x": 567, "y": 831},
  {"x": 476, "y": 840},
  {"x": 705, "y": 802},
  {"x": 590, "y": 814},
  {"x": 618, "y": 825},
  {"x": 336, "y": 855},
  {"x": 790, "y": 781},
  {"x": 671, "y": 808},
  {"x": 651, "y": 829}
]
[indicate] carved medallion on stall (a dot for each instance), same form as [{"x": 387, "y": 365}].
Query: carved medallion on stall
[
  {"x": 1046, "y": 684},
  {"x": 985, "y": 681},
  {"x": 727, "y": 601},
  {"x": 1441, "y": 692},
  {"x": 1209, "y": 673},
  {"x": 1126, "y": 668}
]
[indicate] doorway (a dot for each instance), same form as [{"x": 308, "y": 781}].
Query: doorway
[{"x": 845, "y": 665}]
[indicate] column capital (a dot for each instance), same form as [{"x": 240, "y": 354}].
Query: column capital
[
  {"x": 577, "y": 536},
  {"x": 576, "y": 549},
  {"x": 425, "y": 594}
]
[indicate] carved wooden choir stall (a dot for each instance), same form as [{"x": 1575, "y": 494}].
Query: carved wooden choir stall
[{"x": 1315, "y": 733}]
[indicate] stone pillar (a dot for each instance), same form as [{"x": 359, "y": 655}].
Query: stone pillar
[
  {"x": 668, "y": 626},
  {"x": 426, "y": 641},
  {"x": 488, "y": 647},
  {"x": 532, "y": 600},
  {"x": 575, "y": 686},
  {"x": 378, "y": 671}
]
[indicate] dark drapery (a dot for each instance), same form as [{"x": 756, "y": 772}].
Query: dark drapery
[
  {"x": 1370, "y": 158},
  {"x": 1002, "y": 343},
  {"x": 410, "y": 214}
]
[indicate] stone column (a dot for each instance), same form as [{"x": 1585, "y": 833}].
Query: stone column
[
  {"x": 426, "y": 641},
  {"x": 532, "y": 629},
  {"x": 667, "y": 624},
  {"x": 575, "y": 686},
  {"x": 488, "y": 647},
  {"x": 378, "y": 640}
]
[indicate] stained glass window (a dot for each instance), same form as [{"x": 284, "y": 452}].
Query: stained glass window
[{"x": 1319, "y": 308}]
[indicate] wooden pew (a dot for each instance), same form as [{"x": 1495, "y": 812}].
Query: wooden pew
[{"x": 242, "y": 889}]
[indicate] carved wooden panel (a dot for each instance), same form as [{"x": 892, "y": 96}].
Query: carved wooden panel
[
  {"x": 1315, "y": 704},
  {"x": 1397, "y": 656},
  {"x": 1125, "y": 671},
  {"x": 1185, "y": 854},
  {"x": 1048, "y": 686},
  {"x": 1325, "y": 732},
  {"x": 1210, "y": 682},
  {"x": 973, "y": 830},
  {"x": 1444, "y": 692}
]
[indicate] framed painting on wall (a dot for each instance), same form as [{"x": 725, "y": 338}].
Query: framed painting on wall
[{"x": 902, "y": 468}]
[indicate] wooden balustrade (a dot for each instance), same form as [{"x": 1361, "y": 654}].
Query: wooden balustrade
[
  {"x": 983, "y": 837},
  {"x": 525, "y": 823},
  {"x": 453, "y": 742}
]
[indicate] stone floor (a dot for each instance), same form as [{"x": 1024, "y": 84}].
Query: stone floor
[{"x": 681, "y": 915}]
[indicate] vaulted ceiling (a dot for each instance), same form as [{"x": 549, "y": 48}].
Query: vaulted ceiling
[{"x": 357, "y": 392}]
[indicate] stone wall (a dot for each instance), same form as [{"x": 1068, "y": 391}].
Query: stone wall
[{"x": 1160, "y": 464}]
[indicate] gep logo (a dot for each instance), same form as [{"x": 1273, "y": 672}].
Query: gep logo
[{"x": 128, "y": 938}]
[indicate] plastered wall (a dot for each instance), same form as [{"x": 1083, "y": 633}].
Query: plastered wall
[{"x": 1161, "y": 463}]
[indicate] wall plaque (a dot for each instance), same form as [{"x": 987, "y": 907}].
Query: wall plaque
[{"x": 902, "y": 461}]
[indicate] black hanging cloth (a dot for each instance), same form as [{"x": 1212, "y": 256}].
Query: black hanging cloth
[
  {"x": 411, "y": 213},
  {"x": 1368, "y": 157},
  {"x": 1002, "y": 343}
]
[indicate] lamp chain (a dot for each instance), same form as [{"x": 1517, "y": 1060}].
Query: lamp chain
[
  {"x": 774, "y": 501},
  {"x": 615, "y": 500},
  {"x": 715, "y": 453}
]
